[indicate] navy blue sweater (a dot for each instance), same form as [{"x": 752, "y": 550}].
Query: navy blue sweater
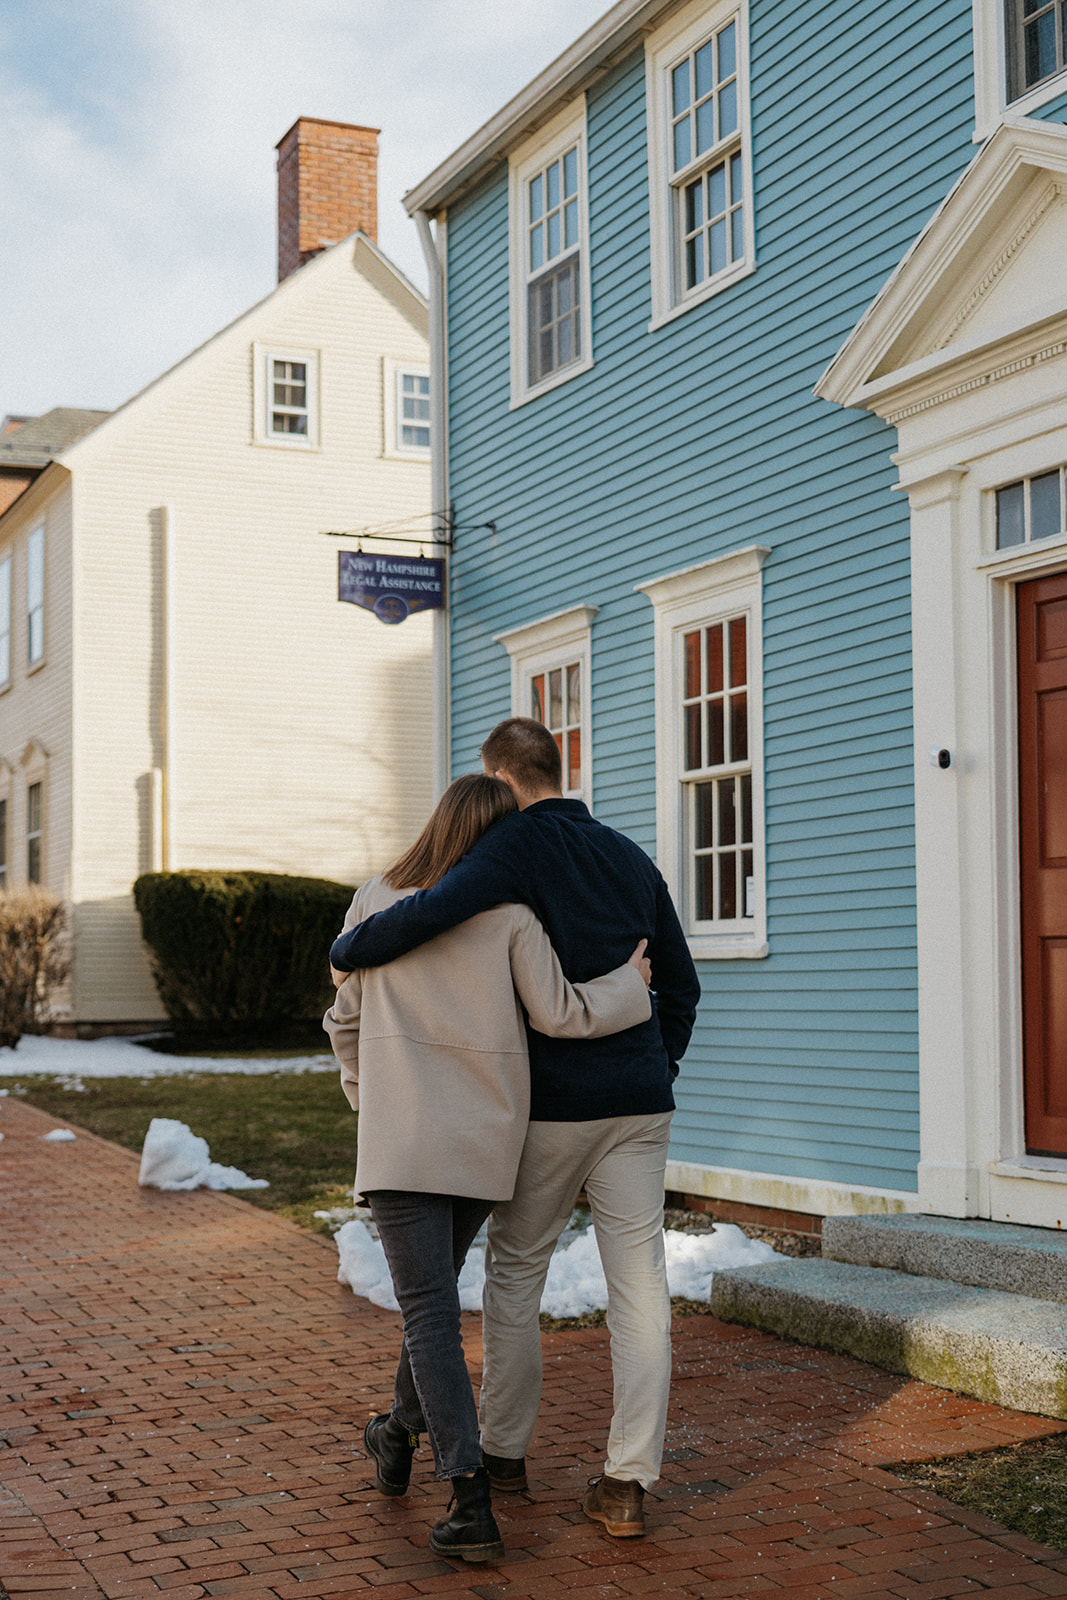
[{"x": 597, "y": 893}]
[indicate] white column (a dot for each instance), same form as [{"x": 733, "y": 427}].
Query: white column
[
  {"x": 948, "y": 1174},
  {"x": 434, "y": 250}
]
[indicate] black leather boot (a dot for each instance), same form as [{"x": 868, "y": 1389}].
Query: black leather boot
[
  {"x": 470, "y": 1533},
  {"x": 506, "y": 1473},
  {"x": 391, "y": 1446}
]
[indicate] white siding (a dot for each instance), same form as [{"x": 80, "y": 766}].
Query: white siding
[
  {"x": 301, "y": 727},
  {"x": 35, "y": 712}
]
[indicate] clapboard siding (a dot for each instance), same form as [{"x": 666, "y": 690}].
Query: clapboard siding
[
  {"x": 300, "y": 727},
  {"x": 701, "y": 438}
]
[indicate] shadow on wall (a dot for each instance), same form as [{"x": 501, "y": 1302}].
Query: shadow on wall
[{"x": 111, "y": 979}]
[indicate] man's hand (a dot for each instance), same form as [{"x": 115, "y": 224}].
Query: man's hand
[
  {"x": 339, "y": 977},
  {"x": 638, "y": 960}
]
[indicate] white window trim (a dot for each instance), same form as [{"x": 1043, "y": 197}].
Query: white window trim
[
  {"x": 262, "y": 356},
  {"x": 566, "y": 129},
  {"x": 555, "y": 641},
  {"x": 663, "y": 49},
  {"x": 991, "y": 73},
  {"x": 707, "y": 593},
  {"x": 392, "y": 372},
  {"x": 34, "y": 765},
  {"x": 37, "y": 662},
  {"x": 7, "y": 792},
  {"x": 6, "y": 621}
]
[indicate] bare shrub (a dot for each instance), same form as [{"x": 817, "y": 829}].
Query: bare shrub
[{"x": 34, "y": 960}]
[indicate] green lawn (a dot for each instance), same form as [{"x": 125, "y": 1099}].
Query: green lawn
[{"x": 294, "y": 1128}]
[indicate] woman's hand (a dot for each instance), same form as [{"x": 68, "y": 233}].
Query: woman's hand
[
  {"x": 641, "y": 962},
  {"x": 338, "y": 977}
]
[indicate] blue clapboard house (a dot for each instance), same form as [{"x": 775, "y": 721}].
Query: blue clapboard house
[{"x": 750, "y": 366}]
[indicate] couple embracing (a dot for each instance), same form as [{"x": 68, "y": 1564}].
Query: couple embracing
[{"x": 499, "y": 1039}]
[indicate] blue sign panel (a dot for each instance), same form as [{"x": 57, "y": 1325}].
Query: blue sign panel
[{"x": 390, "y": 586}]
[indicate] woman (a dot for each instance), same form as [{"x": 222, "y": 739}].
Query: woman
[{"x": 433, "y": 1057}]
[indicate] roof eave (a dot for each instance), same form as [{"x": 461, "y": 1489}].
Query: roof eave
[{"x": 614, "y": 35}]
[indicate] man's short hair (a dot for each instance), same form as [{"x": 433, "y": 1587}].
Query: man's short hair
[{"x": 527, "y": 751}]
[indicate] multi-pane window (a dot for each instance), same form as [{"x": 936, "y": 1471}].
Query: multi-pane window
[
  {"x": 35, "y": 595},
  {"x": 289, "y": 410},
  {"x": 556, "y": 700},
  {"x": 1032, "y": 508},
  {"x": 413, "y": 411},
  {"x": 5, "y": 620},
  {"x": 3, "y": 845},
  {"x": 553, "y": 266},
  {"x": 707, "y": 176},
  {"x": 33, "y": 833},
  {"x": 717, "y": 771},
  {"x": 1037, "y": 42}
]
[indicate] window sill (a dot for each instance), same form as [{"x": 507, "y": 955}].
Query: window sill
[
  {"x": 708, "y": 947},
  {"x": 699, "y": 297},
  {"x": 420, "y": 457},
  {"x": 300, "y": 446},
  {"x": 1032, "y": 100},
  {"x": 522, "y": 398},
  {"x": 36, "y": 666}
]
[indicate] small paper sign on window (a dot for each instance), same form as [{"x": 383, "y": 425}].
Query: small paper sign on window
[{"x": 390, "y": 586}]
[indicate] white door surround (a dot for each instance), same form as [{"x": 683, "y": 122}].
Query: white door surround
[{"x": 965, "y": 352}]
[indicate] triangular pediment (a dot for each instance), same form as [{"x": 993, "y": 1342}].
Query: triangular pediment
[
  {"x": 988, "y": 265},
  {"x": 33, "y": 754}
]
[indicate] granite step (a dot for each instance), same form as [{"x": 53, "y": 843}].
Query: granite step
[
  {"x": 1008, "y": 1349},
  {"x": 989, "y": 1255}
]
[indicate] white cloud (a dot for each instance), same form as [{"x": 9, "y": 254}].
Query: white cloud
[{"x": 138, "y": 186}]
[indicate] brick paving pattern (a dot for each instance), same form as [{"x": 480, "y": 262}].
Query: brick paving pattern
[{"x": 184, "y": 1384}]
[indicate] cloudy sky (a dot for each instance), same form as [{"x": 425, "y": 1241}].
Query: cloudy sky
[{"x": 137, "y": 184}]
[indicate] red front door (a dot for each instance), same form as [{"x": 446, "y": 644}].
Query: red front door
[{"x": 1042, "y": 649}]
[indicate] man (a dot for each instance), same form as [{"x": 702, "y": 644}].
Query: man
[{"x": 599, "y": 1115}]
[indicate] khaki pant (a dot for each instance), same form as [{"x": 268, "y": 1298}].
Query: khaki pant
[{"x": 620, "y": 1161}]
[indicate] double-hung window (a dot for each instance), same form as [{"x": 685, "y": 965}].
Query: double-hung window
[
  {"x": 709, "y": 750},
  {"x": 699, "y": 168},
  {"x": 1036, "y": 43},
  {"x": 286, "y": 397},
  {"x": 550, "y": 324},
  {"x": 3, "y": 844},
  {"x": 34, "y": 831},
  {"x": 1020, "y": 58},
  {"x": 5, "y": 622},
  {"x": 550, "y": 682},
  {"x": 35, "y": 597}
]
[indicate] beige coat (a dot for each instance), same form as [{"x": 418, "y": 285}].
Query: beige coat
[{"x": 433, "y": 1047}]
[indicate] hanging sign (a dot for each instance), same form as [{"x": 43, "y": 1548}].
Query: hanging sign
[{"x": 390, "y": 586}]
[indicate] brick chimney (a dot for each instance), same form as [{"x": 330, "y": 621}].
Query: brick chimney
[{"x": 327, "y": 188}]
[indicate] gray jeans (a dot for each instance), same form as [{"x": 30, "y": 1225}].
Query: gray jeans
[{"x": 620, "y": 1161}]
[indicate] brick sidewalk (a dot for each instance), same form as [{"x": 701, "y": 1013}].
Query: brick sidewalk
[{"x": 185, "y": 1386}]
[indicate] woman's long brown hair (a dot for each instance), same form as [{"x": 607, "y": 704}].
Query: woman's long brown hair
[{"x": 466, "y": 809}]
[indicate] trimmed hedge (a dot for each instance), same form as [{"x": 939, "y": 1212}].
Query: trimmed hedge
[{"x": 235, "y": 951}]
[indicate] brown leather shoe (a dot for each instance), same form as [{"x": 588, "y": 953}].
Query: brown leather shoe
[{"x": 618, "y": 1504}]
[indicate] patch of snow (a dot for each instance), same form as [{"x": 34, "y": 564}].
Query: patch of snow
[
  {"x": 575, "y": 1282},
  {"x": 77, "y": 1059},
  {"x": 59, "y": 1136},
  {"x": 174, "y": 1157}
]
